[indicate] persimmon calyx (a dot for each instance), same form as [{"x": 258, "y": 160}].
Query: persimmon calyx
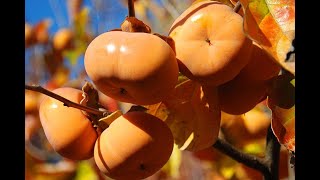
[
  {"x": 91, "y": 99},
  {"x": 132, "y": 24},
  {"x": 168, "y": 40},
  {"x": 105, "y": 122}
]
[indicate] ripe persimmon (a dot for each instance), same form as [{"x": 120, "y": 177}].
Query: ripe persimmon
[
  {"x": 261, "y": 65},
  {"x": 138, "y": 68},
  {"x": 241, "y": 94},
  {"x": 134, "y": 146},
  {"x": 210, "y": 43},
  {"x": 67, "y": 129},
  {"x": 63, "y": 39},
  {"x": 28, "y": 35}
]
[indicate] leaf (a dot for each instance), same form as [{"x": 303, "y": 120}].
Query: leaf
[
  {"x": 193, "y": 115},
  {"x": 85, "y": 171},
  {"x": 271, "y": 24},
  {"x": 172, "y": 167},
  {"x": 81, "y": 37},
  {"x": 283, "y": 112}
]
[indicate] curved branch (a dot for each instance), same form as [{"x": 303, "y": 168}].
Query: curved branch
[
  {"x": 65, "y": 101},
  {"x": 247, "y": 159}
]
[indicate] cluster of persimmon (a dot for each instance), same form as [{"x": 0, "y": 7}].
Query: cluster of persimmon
[{"x": 206, "y": 44}]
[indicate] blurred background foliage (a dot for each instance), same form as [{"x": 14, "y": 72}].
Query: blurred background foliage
[{"x": 57, "y": 33}]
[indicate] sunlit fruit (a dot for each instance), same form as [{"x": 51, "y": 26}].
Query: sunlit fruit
[
  {"x": 210, "y": 43},
  {"x": 261, "y": 65},
  {"x": 135, "y": 146},
  {"x": 137, "y": 68},
  {"x": 67, "y": 129},
  {"x": 63, "y": 39},
  {"x": 257, "y": 121},
  {"x": 31, "y": 100},
  {"x": 241, "y": 94},
  {"x": 41, "y": 32},
  {"x": 28, "y": 35}
]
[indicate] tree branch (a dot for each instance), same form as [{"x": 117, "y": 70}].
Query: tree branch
[
  {"x": 65, "y": 101},
  {"x": 272, "y": 154},
  {"x": 237, "y": 7},
  {"x": 247, "y": 159}
]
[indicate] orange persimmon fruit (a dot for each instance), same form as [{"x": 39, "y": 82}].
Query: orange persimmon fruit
[
  {"x": 138, "y": 68},
  {"x": 63, "y": 39},
  {"x": 134, "y": 146},
  {"x": 211, "y": 46},
  {"x": 261, "y": 65},
  {"x": 67, "y": 129},
  {"x": 241, "y": 94}
]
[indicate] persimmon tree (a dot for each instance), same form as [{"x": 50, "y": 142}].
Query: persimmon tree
[{"x": 219, "y": 84}]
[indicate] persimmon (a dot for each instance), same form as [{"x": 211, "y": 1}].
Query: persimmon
[
  {"x": 257, "y": 121},
  {"x": 261, "y": 65},
  {"x": 31, "y": 100},
  {"x": 67, "y": 129},
  {"x": 134, "y": 146},
  {"x": 138, "y": 68},
  {"x": 63, "y": 39},
  {"x": 28, "y": 35},
  {"x": 210, "y": 43},
  {"x": 241, "y": 94}
]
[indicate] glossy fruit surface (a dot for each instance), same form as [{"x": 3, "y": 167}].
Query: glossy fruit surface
[
  {"x": 67, "y": 129},
  {"x": 211, "y": 46},
  {"x": 135, "y": 146},
  {"x": 138, "y": 68}
]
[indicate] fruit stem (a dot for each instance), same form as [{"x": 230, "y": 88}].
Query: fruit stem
[
  {"x": 237, "y": 7},
  {"x": 131, "y": 8},
  {"x": 65, "y": 101}
]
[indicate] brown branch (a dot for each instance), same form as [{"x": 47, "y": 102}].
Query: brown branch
[
  {"x": 65, "y": 101},
  {"x": 131, "y": 8},
  {"x": 247, "y": 159},
  {"x": 237, "y": 7},
  {"x": 272, "y": 154}
]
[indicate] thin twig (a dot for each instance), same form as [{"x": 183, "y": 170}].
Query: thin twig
[
  {"x": 247, "y": 159},
  {"x": 237, "y": 7},
  {"x": 65, "y": 101},
  {"x": 131, "y": 8},
  {"x": 272, "y": 154}
]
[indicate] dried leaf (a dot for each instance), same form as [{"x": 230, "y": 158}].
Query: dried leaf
[
  {"x": 193, "y": 115},
  {"x": 271, "y": 24},
  {"x": 283, "y": 113}
]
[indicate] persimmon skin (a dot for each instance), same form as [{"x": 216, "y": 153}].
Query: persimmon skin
[
  {"x": 211, "y": 46},
  {"x": 67, "y": 129},
  {"x": 241, "y": 94},
  {"x": 135, "y": 146},
  {"x": 137, "y": 68},
  {"x": 261, "y": 65}
]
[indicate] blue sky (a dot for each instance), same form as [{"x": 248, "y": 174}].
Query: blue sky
[{"x": 56, "y": 10}]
